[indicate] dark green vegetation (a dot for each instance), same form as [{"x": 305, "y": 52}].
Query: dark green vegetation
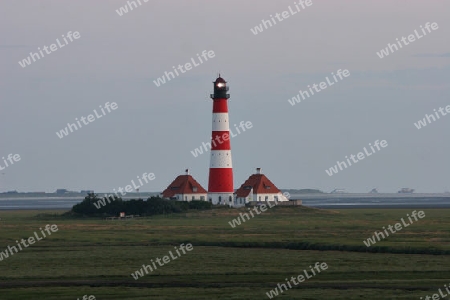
[
  {"x": 96, "y": 257},
  {"x": 92, "y": 205}
]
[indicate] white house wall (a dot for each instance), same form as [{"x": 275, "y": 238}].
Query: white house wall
[
  {"x": 188, "y": 197},
  {"x": 270, "y": 197}
]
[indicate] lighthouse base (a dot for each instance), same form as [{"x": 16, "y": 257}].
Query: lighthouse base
[{"x": 221, "y": 198}]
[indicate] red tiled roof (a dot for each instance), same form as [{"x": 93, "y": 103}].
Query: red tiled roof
[
  {"x": 183, "y": 184},
  {"x": 260, "y": 185}
]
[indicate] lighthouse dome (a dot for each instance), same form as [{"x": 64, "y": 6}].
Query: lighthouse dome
[{"x": 220, "y": 79}]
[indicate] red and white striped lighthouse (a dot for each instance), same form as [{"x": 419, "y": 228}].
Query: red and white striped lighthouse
[{"x": 220, "y": 186}]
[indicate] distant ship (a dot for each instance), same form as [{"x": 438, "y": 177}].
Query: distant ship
[
  {"x": 338, "y": 191},
  {"x": 373, "y": 191},
  {"x": 406, "y": 191}
]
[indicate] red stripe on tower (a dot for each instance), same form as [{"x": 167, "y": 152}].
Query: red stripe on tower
[{"x": 220, "y": 186}]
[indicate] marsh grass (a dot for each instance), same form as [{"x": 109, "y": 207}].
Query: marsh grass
[{"x": 96, "y": 257}]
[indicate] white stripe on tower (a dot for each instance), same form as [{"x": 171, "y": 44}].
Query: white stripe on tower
[
  {"x": 221, "y": 159},
  {"x": 220, "y": 122}
]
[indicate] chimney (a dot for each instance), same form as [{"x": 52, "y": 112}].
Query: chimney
[
  {"x": 187, "y": 171},
  {"x": 258, "y": 170}
]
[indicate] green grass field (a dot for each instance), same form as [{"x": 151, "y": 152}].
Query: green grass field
[{"x": 96, "y": 257}]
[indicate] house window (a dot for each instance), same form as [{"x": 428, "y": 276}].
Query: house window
[
  {"x": 185, "y": 198},
  {"x": 275, "y": 198},
  {"x": 230, "y": 199},
  {"x": 202, "y": 198},
  {"x": 220, "y": 199},
  {"x": 259, "y": 198},
  {"x": 193, "y": 197},
  {"x": 267, "y": 198}
]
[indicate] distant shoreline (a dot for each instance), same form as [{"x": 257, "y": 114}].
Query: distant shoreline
[
  {"x": 294, "y": 195},
  {"x": 369, "y": 196},
  {"x": 322, "y": 201},
  {"x": 30, "y": 196}
]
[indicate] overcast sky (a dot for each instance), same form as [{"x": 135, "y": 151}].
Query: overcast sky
[{"x": 154, "y": 129}]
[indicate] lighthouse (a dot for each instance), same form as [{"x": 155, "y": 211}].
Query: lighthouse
[{"x": 220, "y": 185}]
